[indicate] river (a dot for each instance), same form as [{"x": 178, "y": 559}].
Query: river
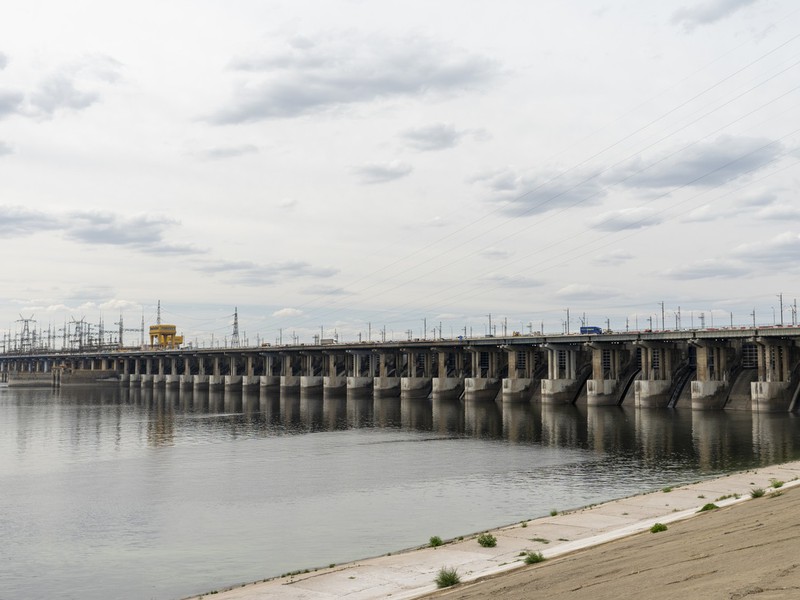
[{"x": 128, "y": 493}]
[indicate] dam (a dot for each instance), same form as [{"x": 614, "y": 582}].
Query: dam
[{"x": 745, "y": 368}]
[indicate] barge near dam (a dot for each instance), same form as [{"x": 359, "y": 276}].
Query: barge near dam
[{"x": 708, "y": 369}]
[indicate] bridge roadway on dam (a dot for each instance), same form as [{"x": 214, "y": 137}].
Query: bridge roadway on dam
[{"x": 746, "y": 368}]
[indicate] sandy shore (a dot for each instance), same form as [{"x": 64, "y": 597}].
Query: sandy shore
[{"x": 746, "y": 547}]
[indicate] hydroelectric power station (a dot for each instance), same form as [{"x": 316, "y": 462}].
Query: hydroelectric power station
[{"x": 749, "y": 368}]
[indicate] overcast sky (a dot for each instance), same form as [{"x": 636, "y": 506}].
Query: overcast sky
[{"x": 336, "y": 164}]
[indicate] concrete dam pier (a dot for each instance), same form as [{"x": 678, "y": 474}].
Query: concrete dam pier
[{"x": 709, "y": 369}]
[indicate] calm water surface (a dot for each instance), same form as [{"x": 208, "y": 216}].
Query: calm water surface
[{"x": 137, "y": 494}]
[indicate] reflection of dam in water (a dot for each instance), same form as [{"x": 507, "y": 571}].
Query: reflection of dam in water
[
  {"x": 165, "y": 481},
  {"x": 714, "y": 437}
]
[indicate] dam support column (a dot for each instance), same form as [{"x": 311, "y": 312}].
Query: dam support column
[
  {"x": 173, "y": 379},
  {"x": 519, "y": 385},
  {"x": 449, "y": 380},
  {"x": 311, "y": 376},
  {"x": 773, "y": 391},
  {"x": 485, "y": 382},
  {"x": 249, "y": 380},
  {"x": 387, "y": 383},
  {"x": 233, "y": 381},
  {"x": 710, "y": 390},
  {"x": 216, "y": 381},
  {"x": 160, "y": 378},
  {"x": 125, "y": 379},
  {"x": 336, "y": 371},
  {"x": 564, "y": 380},
  {"x": 200, "y": 381},
  {"x": 654, "y": 388},
  {"x": 612, "y": 370},
  {"x": 666, "y": 370},
  {"x": 136, "y": 376},
  {"x": 419, "y": 382},
  {"x": 362, "y": 375},
  {"x": 187, "y": 379},
  {"x": 147, "y": 378},
  {"x": 269, "y": 380},
  {"x": 289, "y": 377}
]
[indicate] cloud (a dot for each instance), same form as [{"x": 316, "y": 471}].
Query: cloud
[
  {"x": 287, "y": 204},
  {"x": 164, "y": 249},
  {"x": 512, "y": 281},
  {"x": 707, "y": 11},
  {"x": 779, "y": 212},
  {"x": 703, "y": 214},
  {"x": 711, "y": 268},
  {"x": 439, "y": 136},
  {"x": 495, "y": 253},
  {"x": 309, "y": 76},
  {"x": 448, "y": 316},
  {"x": 767, "y": 206},
  {"x": 119, "y": 305},
  {"x": 80, "y": 305},
  {"x": 524, "y": 195},
  {"x": 780, "y": 250},
  {"x": 64, "y": 89},
  {"x": 3, "y": 61},
  {"x": 382, "y": 172},
  {"x": 98, "y": 67},
  {"x": 250, "y": 273},
  {"x": 10, "y": 102},
  {"x": 326, "y": 291},
  {"x": 626, "y": 218},
  {"x": 222, "y": 152},
  {"x": 5, "y": 149},
  {"x": 763, "y": 199},
  {"x": 83, "y": 296},
  {"x": 144, "y": 233},
  {"x": 432, "y": 137},
  {"x": 585, "y": 292},
  {"x": 56, "y": 308},
  {"x": 59, "y": 93},
  {"x": 708, "y": 165},
  {"x": 17, "y": 220},
  {"x": 287, "y": 312},
  {"x": 615, "y": 257},
  {"x": 108, "y": 228}
]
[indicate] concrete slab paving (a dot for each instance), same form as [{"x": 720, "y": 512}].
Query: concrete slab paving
[{"x": 411, "y": 574}]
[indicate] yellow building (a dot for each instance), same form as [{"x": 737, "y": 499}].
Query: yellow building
[{"x": 163, "y": 336}]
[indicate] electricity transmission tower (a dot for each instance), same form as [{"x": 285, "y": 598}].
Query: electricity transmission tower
[
  {"x": 122, "y": 330},
  {"x": 25, "y": 340},
  {"x": 235, "y": 336}
]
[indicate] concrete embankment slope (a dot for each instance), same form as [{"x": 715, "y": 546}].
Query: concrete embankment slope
[
  {"x": 750, "y": 550},
  {"x": 746, "y": 545}
]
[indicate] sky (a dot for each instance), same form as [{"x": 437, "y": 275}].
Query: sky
[{"x": 385, "y": 170}]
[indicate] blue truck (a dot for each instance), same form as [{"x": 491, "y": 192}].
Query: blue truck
[{"x": 592, "y": 330}]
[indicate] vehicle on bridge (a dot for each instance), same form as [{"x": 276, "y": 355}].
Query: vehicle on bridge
[{"x": 592, "y": 330}]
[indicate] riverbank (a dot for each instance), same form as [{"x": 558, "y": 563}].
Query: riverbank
[
  {"x": 732, "y": 553},
  {"x": 501, "y": 572}
]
